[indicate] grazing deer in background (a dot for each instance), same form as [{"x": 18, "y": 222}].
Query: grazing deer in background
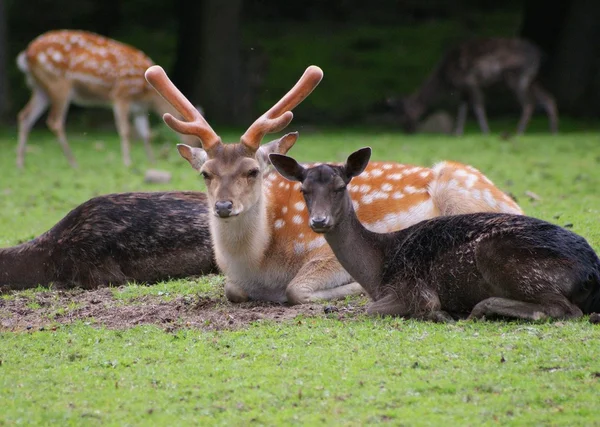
[
  {"x": 474, "y": 65},
  {"x": 258, "y": 219},
  {"x": 479, "y": 264},
  {"x": 90, "y": 70},
  {"x": 114, "y": 239}
]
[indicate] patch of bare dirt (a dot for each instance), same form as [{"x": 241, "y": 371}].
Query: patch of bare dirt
[{"x": 46, "y": 310}]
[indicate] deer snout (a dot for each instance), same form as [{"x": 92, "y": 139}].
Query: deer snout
[
  {"x": 320, "y": 224},
  {"x": 223, "y": 208}
]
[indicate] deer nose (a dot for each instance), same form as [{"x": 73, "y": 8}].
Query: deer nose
[
  {"x": 319, "y": 222},
  {"x": 224, "y": 208}
]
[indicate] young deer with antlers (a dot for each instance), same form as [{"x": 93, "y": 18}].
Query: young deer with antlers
[
  {"x": 479, "y": 264},
  {"x": 258, "y": 221},
  {"x": 474, "y": 65},
  {"x": 114, "y": 239},
  {"x": 90, "y": 70}
]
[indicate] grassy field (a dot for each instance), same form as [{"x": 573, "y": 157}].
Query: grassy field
[{"x": 218, "y": 364}]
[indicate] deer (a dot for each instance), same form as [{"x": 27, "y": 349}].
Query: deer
[
  {"x": 87, "y": 69},
  {"x": 479, "y": 265},
  {"x": 115, "y": 239},
  {"x": 470, "y": 67},
  {"x": 257, "y": 218}
]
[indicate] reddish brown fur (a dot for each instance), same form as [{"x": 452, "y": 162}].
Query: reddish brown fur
[{"x": 67, "y": 66}]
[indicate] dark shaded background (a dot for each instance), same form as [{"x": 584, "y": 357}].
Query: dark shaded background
[{"x": 237, "y": 57}]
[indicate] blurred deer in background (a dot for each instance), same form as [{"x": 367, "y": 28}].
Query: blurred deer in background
[
  {"x": 474, "y": 65},
  {"x": 258, "y": 219},
  {"x": 89, "y": 70}
]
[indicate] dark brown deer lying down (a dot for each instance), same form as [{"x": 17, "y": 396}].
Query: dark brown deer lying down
[
  {"x": 468, "y": 68},
  {"x": 114, "y": 239},
  {"x": 479, "y": 264}
]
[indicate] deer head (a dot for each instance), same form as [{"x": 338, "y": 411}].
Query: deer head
[
  {"x": 233, "y": 172},
  {"x": 324, "y": 186}
]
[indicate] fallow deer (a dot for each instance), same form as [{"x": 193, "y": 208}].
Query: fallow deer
[
  {"x": 258, "y": 219},
  {"x": 478, "y": 264},
  {"x": 468, "y": 68},
  {"x": 114, "y": 239},
  {"x": 90, "y": 70}
]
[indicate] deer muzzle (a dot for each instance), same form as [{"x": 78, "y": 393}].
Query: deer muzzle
[
  {"x": 320, "y": 224},
  {"x": 224, "y": 208}
]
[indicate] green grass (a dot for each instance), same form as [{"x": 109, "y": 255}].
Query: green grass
[{"x": 310, "y": 370}]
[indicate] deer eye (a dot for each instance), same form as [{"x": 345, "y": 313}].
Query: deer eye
[
  {"x": 253, "y": 173},
  {"x": 205, "y": 175}
]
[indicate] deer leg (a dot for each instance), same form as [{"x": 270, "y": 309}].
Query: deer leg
[
  {"x": 479, "y": 109},
  {"x": 428, "y": 307},
  {"x": 321, "y": 279},
  {"x": 520, "y": 85},
  {"x": 461, "y": 117},
  {"x": 121, "y": 112},
  {"x": 38, "y": 103},
  {"x": 235, "y": 293},
  {"x": 548, "y": 103},
  {"x": 142, "y": 125},
  {"x": 57, "y": 116},
  {"x": 504, "y": 307}
]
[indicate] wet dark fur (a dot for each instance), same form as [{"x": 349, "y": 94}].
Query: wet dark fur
[
  {"x": 465, "y": 259},
  {"x": 113, "y": 239}
]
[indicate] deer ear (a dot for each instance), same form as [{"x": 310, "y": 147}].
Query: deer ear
[
  {"x": 278, "y": 146},
  {"x": 357, "y": 162},
  {"x": 195, "y": 156},
  {"x": 287, "y": 167}
]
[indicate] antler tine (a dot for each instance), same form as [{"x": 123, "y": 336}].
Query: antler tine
[
  {"x": 195, "y": 124},
  {"x": 279, "y": 116}
]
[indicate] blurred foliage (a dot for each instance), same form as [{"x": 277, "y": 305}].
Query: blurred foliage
[{"x": 367, "y": 53}]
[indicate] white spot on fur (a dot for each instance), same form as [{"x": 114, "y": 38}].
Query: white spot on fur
[
  {"x": 316, "y": 243},
  {"x": 299, "y": 247},
  {"x": 57, "y": 56},
  {"x": 386, "y": 186},
  {"x": 424, "y": 174},
  {"x": 396, "y": 176},
  {"x": 410, "y": 189},
  {"x": 376, "y": 172},
  {"x": 297, "y": 186},
  {"x": 284, "y": 209},
  {"x": 397, "y": 195},
  {"x": 398, "y": 220},
  {"x": 301, "y": 236},
  {"x": 299, "y": 206},
  {"x": 42, "y": 58},
  {"x": 279, "y": 223},
  {"x": 367, "y": 199},
  {"x": 364, "y": 188},
  {"x": 355, "y": 204},
  {"x": 471, "y": 180},
  {"x": 297, "y": 219},
  {"x": 489, "y": 199},
  {"x": 387, "y": 166}
]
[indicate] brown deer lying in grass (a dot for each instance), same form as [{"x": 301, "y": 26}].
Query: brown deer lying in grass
[
  {"x": 480, "y": 264},
  {"x": 258, "y": 220},
  {"x": 87, "y": 69},
  {"x": 114, "y": 239},
  {"x": 474, "y": 65}
]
